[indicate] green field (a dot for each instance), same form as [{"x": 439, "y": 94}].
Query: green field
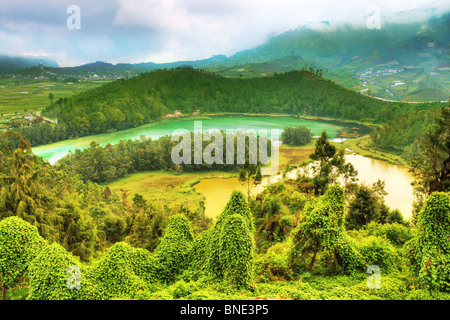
[
  {"x": 18, "y": 97},
  {"x": 162, "y": 187}
]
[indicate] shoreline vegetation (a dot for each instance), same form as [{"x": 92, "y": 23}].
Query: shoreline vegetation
[{"x": 166, "y": 247}]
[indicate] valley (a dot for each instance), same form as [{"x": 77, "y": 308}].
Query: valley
[{"x": 141, "y": 176}]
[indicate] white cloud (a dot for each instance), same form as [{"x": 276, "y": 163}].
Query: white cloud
[
  {"x": 198, "y": 29},
  {"x": 170, "y": 30}
]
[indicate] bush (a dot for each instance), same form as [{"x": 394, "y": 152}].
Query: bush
[
  {"x": 125, "y": 271},
  {"x": 236, "y": 252},
  {"x": 51, "y": 279},
  {"x": 183, "y": 289},
  {"x": 20, "y": 243},
  {"x": 379, "y": 252},
  {"x": 173, "y": 251},
  {"x": 394, "y": 232},
  {"x": 225, "y": 253},
  {"x": 429, "y": 251},
  {"x": 296, "y": 202},
  {"x": 273, "y": 265}
]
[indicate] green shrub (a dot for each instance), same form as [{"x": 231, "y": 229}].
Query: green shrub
[
  {"x": 20, "y": 243},
  {"x": 173, "y": 251},
  {"x": 380, "y": 252},
  {"x": 198, "y": 256},
  {"x": 225, "y": 253},
  {"x": 51, "y": 279},
  {"x": 297, "y": 202},
  {"x": 273, "y": 265},
  {"x": 125, "y": 271},
  {"x": 286, "y": 224},
  {"x": 321, "y": 229},
  {"x": 428, "y": 252},
  {"x": 394, "y": 232},
  {"x": 272, "y": 205},
  {"x": 236, "y": 252},
  {"x": 182, "y": 289}
]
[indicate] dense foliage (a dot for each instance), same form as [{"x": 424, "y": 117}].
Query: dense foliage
[
  {"x": 20, "y": 243},
  {"x": 62, "y": 236},
  {"x": 226, "y": 252},
  {"x": 175, "y": 246},
  {"x": 296, "y": 136},
  {"x": 429, "y": 250},
  {"x": 129, "y": 103},
  {"x": 322, "y": 230},
  {"x": 221, "y": 262},
  {"x": 82, "y": 216},
  {"x": 402, "y": 133},
  {"x": 107, "y": 163}
]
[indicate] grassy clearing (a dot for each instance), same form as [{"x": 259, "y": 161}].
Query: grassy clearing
[
  {"x": 150, "y": 184},
  {"x": 363, "y": 146},
  {"x": 166, "y": 188},
  {"x": 294, "y": 156},
  {"x": 171, "y": 189},
  {"x": 29, "y": 96}
]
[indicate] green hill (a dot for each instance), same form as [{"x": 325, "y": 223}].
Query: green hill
[
  {"x": 146, "y": 98},
  {"x": 126, "y": 103}
]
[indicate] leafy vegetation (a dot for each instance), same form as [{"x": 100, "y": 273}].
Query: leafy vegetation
[
  {"x": 296, "y": 136},
  {"x": 428, "y": 251},
  {"x": 146, "y": 98},
  {"x": 63, "y": 236},
  {"x": 108, "y": 163}
]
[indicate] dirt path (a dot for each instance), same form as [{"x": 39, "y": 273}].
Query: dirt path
[{"x": 46, "y": 119}]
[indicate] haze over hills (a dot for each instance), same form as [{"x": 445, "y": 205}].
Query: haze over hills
[
  {"x": 400, "y": 61},
  {"x": 12, "y": 64}
]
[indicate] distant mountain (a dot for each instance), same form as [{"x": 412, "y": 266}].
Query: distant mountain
[
  {"x": 11, "y": 64},
  {"x": 397, "y": 62},
  {"x": 379, "y": 59},
  {"x": 104, "y": 68}
]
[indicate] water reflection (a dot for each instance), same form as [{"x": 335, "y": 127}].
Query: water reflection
[{"x": 217, "y": 191}]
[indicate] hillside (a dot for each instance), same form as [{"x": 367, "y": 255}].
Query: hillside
[
  {"x": 128, "y": 103},
  {"x": 12, "y": 64},
  {"x": 376, "y": 59}
]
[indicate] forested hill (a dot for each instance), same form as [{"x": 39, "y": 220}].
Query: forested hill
[{"x": 129, "y": 103}]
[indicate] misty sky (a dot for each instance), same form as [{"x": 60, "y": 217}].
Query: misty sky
[{"x": 173, "y": 30}]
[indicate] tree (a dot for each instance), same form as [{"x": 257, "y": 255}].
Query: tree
[
  {"x": 324, "y": 149},
  {"x": 431, "y": 168},
  {"x": 428, "y": 252},
  {"x": 322, "y": 229},
  {"x": 332, "y": 164},
  {"x": 20, "y": 243},
  {"x": 323, "y": 153},
  {"x": 250, "y": 175},
  {"x": 296, "y": 136},
  {"x": 364, "y": 208},
  {"x": 22, "y": 194},
  {"x": 51, "y": 97}
]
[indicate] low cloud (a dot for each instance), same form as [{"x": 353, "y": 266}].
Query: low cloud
[{"x": 169, "y": 30}]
